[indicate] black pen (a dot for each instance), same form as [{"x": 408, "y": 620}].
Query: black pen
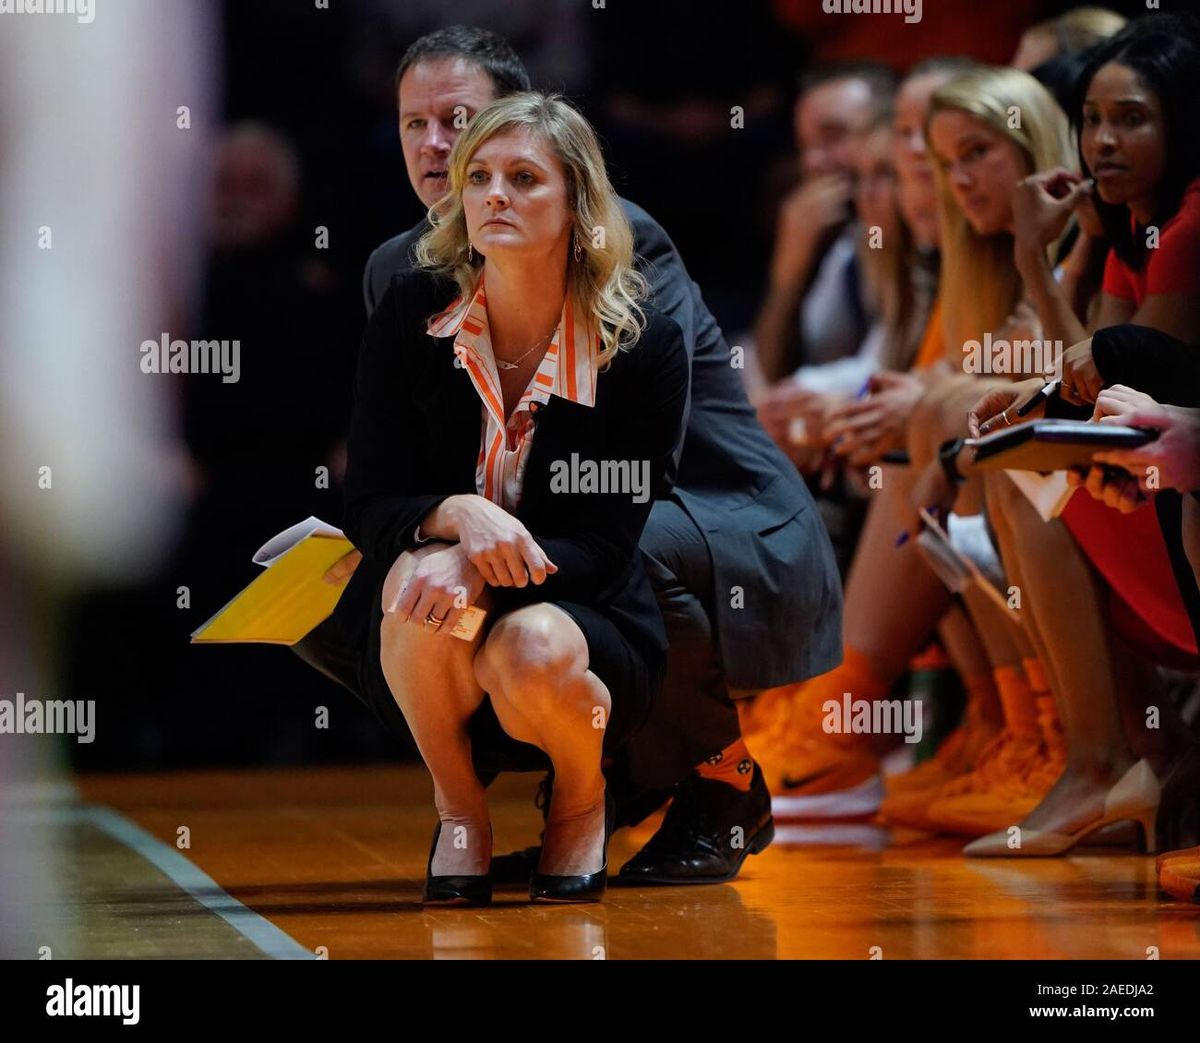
[
  {"x": 1049, "y": 388},
  {"x": 1039, "y": 398}
]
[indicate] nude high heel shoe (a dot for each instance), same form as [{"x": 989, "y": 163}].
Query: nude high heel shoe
[{"x": 1135, "y": 797}]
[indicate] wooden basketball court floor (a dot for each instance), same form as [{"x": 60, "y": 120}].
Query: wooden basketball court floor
[{"x": 297, "y": 864}]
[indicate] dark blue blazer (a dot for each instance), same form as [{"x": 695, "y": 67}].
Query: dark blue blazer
[{"x": 778, "y": 597}]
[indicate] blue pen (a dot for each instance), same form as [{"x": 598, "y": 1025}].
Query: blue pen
[{"x": 862, "y": 393}]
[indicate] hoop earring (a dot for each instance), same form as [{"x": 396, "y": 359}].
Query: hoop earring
[
  {"x": 578, "y": 252},
  {"x": 470, "y": 253}
]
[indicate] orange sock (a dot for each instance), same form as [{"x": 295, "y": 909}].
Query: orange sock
[
  {"x": 854, "y": 675},
  {"x": 981, "y": 686},
  {"x": 983, "y": 701},
  {"x": 1048, "y": 718},
  {"x": 1036, "y": 674},
  {"x": 732, "y": 765},
  {"x": 1017, "y": 699},
  {"x": 797, "y": 708}
]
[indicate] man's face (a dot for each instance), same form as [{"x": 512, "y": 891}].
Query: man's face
[
  {"x": 434, "y": 96},
  {"x": 829, "y": 120}
]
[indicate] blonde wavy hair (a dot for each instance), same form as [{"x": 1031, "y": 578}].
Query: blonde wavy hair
[
  {"x": 980, "y": 286},
  {"x": 604, "y": 282},
  {"x": 1080, "y": 28}
]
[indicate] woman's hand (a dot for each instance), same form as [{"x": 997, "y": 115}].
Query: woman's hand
[
  {"x": 1171, "y": 461},
  {"x": 1121, "y": 405},
  {"x": 932, "y": 490},
  {"x": 1081, "y": 380},
  {"x": 792, "y": 415},
  {"x": 998, "y": 408},
  {"x": 862, "y": 430},
  {"x": 441, "y": 584},
  {"x": 497, "y": 544},
  {"x": 1041, "y": 204},
  {"x": 810, "y": 211},
  {"x": 342, "y": 569},
  {"x": 1117, "y": 488}
]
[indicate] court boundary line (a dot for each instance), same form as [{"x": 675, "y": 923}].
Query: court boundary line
[{"x": 266, "y": 936}]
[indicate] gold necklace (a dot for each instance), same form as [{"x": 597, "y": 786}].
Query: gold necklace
[{"x": 513, "y": 365}]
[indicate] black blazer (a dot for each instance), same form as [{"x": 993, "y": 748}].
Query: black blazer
[
  {"x": 414, "y": 440},
  {"x": 757, "y": 516}
]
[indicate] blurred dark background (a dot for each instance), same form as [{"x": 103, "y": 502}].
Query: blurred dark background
[{"x": 308, "y": 141}]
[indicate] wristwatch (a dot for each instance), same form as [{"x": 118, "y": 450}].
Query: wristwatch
[{"x": 948, "y": 457}]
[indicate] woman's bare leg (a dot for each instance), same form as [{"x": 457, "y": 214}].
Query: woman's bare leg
[
  {"x": 1061, "y": 600},
  {"x": 893, "y": 599},
  {"x": 964, "y": 644},
  {"x": 972, "y": 656},
  {"x": 1006, "y": 644},
  {"x": 432, "y": 679},
  {"x": 534, "y": 665}
]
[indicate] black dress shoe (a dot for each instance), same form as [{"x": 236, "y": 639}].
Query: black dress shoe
[
  {"x": 518, "y": 867},
  {"x": 460, "y": 889},
  {"x": 695, "y": 843},
  {"x": 588, "y": 887}
]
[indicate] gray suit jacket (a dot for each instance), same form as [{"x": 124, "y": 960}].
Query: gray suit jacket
[{"x": 778, "y": 598}]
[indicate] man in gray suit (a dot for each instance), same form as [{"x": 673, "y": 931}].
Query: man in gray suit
[{"x": 738, "y": 556}]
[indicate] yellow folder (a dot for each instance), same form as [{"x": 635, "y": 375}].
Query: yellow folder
[{"x": 290, "y": 597}]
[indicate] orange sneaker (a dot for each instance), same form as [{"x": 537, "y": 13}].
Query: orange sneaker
[
  {"x": 947, "y": 761},
  {"x": 766, "y": 711},
  {"x": 910, "y": 793},
  {"x": 956, "y": 756},
  {"x": 1179, "y": 874},
  {"x": 812, "y": 773},
  {"x": 912, "y": 807},
  {"x": 1005, "y": 787},
  {"x": 821, "y": 779}
]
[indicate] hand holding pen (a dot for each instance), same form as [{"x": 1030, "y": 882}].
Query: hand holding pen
[{"x": 1004, "y": 407}]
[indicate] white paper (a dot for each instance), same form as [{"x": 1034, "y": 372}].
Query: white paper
[
  {"x": 970, "y": 537},
  {"x": 1049, "y": 493},
  {"x": 277, "y": 546}
]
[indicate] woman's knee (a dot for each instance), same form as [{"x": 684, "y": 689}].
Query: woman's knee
[
  {"x": 997, "y": 492},
  {"x": 402, "y": 568},
  {"x": 402, "y": 643},
  {"x": 534, "y": 652}
]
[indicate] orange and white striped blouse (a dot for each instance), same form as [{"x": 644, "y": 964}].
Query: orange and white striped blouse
[{"x": 568, "y": 369}]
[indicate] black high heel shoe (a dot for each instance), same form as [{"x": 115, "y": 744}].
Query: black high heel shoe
[
  {"x": 459, "y": 889},
  {"x": 589, "y": 887}
]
